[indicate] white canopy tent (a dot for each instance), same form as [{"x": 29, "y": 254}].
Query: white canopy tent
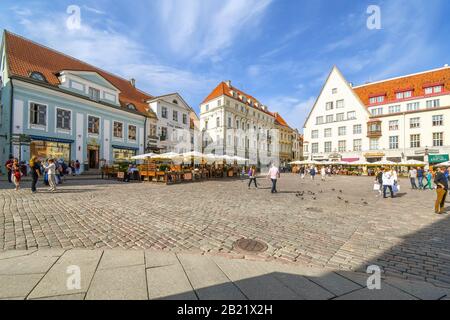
[
  {"x": 443, "y": 164},
  {"x": 143, "y": 156},
  {"x": 413, "y": 163}
]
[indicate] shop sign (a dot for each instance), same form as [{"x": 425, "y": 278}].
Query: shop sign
[
  {"x": 374, "y": 155},
  {"x": 438, "y": 158}
]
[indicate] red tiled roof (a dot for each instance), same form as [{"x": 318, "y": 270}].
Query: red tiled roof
[
  {"x": 279, "y": 120},
  {"x": 416, "y": 83},
  {"x": 25, "y": 56},
  {"x": 223, "y": 89}
]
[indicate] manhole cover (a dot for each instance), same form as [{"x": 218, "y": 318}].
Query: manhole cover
[{"x": 249, "y": 245}]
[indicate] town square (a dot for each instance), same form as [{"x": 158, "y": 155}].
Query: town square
[{"x": 224, "y": 161}]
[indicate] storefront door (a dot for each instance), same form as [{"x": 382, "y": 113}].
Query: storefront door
[{"x": 93, "y": 158}]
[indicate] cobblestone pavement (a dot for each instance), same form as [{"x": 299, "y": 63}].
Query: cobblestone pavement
[{"x": 339, "y": 223}]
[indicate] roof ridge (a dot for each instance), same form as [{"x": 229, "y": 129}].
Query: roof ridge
[
  {"x": 71, "y": 57},
  {"x": 400, "y": 77}
]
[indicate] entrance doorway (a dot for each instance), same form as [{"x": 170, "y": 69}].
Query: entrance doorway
[{"x": 93, "y": 158}]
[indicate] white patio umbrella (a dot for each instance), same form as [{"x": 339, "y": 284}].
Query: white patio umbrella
[
  {"x": 413, "y": 163},
  {"x": 443, "y": 164},
  {"x": 296, "y": 163},
  {"x": 356, "y": 163},
  {"x": 193, "y": 154},
  {"x": 385, "y": 163},
  {"x": 143, "y": 156},
  {"x": 168, "y": 156}
]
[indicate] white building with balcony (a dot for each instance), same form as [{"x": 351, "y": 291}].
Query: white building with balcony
[{"x": 396, "y": 119}]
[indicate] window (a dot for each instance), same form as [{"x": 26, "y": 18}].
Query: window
[
  {"x": 339, "y": 104},
  {"x": 315, "y": 134},
  {"x": 378, "y": 99},
  {"x": 357, "y": 145},
  {"x": 319, "y": 120},
  {"x": 433, "y": 103},
  {"x": 334, "y": 90},
  {"x": 305, "y": 148},
  {"x": 38, "y": 114},
  {"x": 132, "y": 132},
  {"x": 164, "y": 112},
  {"x": 414, "y": 123},
  {"x": 229, "y": 123},
  {"x": 357, "y": 129},
  {"x": 438, "y": 139},
  {"x": 340, "y": 117},
  {"x": 206, "y": 125},
  {"x": 415, "y": 140},
  {"x": 403, "y": 95},
  {"x": 393, "y": 142},
  {"x": 413, "y": 106},
  {"x": 329, "y": 106},
  {"x": 217, "y": 122},
  {"x": 342, "y": 131},
  {"x": 315, "y": 148},
  {"x": 94, "y": 94},
  {"x": 35, "y": 75},
  {"x": 330, "y": 118},
  {"x": 342, "y": 146},
  {"x": 63, "y": 119},
  {"x": 93, "y": 125},
  {"x": 163, "y": 133},
  {"x": 374, "y": 144},
  {"x": 328, "y": 146},
  {"x": 219, "y": 103},
  {"x": 131, "y": 106},
  {"x": 434, "y": 89},
  {"x": 184, "y": 118},
  {"x": 327, "y": 133},
  {"x": 394, "y": 109},
  {"x": 207, "y": 107},
  {"x": 351, "y": 115},
  {"x": 376, "y": 111},
  {"x": 438, "y": 120},
  {"x": 118, "y": 130},
  {"x": 175, "y": 116},
  {"x": 393, "y": 125}
]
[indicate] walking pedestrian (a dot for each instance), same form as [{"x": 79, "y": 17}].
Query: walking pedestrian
[
  {"x": 420, "y": 176},
  {"x": 412, "y": 177},
  {"x": 312, "y": 173},
  {"x": 16, "y": 174},
  {"x": 274, "y": 175},
  {"x": 252, "y": 177},
  {"x": 302, "y": 172},
  {"x": 323, "y": 173},
  {"x": 388, "y": 183},
  {"x": 77, "y": 167},
  {"x": 379, "y": 180},
  {"x": 8, "y": 165},
  {"x": 51, "y": 173},
  {"x": 35, "y": 167},
  {"x": 441, "y": 182},
  {"x": 429, "y": 184}
]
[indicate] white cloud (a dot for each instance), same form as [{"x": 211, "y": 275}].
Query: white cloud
[{"x": 204, "y": 29}]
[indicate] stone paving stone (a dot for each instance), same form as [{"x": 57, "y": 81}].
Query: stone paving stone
[
  {"x": 209, "y": 282},
  {"x": 421, "y": 290},
  {"x": 121, "y": 283},
  {"x": 254, "y": 281},
  {"x": 54, "y": 282},
  {"x": 78, "y": 296},
  {"x": 169, "y": 283},
  {"x": 15, "y": 253},
  {"x": 158, "y": 259},
  {"x": 12, "y": 286},
  {"x": 26, "y": 264},
  {"x": 387, "y": 292},
  {"x": 112, "y": 259}
]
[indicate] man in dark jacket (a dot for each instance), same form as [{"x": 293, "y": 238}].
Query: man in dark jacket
[{"x": 441, "y": 182}]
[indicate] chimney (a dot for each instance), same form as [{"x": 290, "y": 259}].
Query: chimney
[
  {"x": 228, "y": 82},
  {"x": 351, "y": 84},
  {"x": 133, "y": 82},
  {"x": 446, "y": 65}
]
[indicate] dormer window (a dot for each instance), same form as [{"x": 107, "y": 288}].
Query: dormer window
[
  {"x": 94, "y": 94},
  {"x": 403, "y": 94},
  {"x": 377, "y": 99},
  {"x": 175, "y": 102},
  {"x": 434, "y": 89},
  {"x": 131, "y": 106},
  {"x": 38, "y": 76}
]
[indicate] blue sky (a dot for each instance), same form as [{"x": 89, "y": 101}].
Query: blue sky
[{"x": 279, "y": 51}]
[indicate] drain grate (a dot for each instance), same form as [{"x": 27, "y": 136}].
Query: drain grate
[{"x": 250, "y": 246}]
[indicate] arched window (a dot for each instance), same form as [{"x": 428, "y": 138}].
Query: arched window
[
  {"x": 37, "y": 76},
  {"x": 175, "y": 101},
  {"x": 131, "y": 106}
]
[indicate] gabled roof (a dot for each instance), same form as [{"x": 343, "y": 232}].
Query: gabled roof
[
  {"x": 279, "y": 120},
  {"x": 223, "y": 89},
  {"x": 415, "y": 82},
  {"x": 26, "y": 56}
]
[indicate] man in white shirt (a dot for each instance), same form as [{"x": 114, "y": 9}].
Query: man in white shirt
[{"x": 273, "y": 175}]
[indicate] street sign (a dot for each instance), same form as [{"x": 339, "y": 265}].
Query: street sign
[{"x": 438, "y": 158}]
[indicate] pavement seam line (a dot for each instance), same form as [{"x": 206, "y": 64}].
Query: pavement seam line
[
  {"x": 145, "y": 271},
  {"x": 93, "y": 276},
  {"x": 45, "y": 274},
  {"x": 234, "y": 284},
  {"x": 187, "y": 277}
]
